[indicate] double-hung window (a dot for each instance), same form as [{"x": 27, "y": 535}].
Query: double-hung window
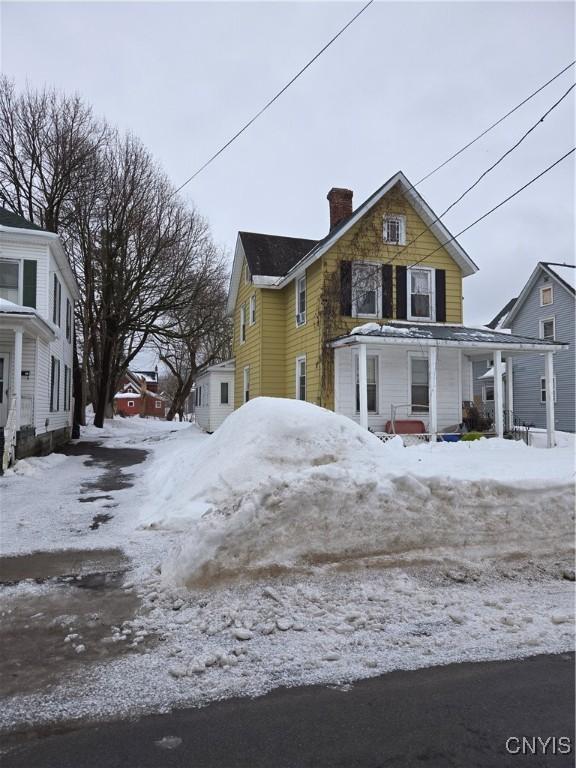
[
  {"x": 548, "y": 329},
  {"x": 420, "y": 294},
  {"x": 55, "y": 385},
  {"x": 252, "y": 309},
  {"x": 223, "y": 393},
  {"x": 366, "y": 281},
  {"x": 56, "y": 301},
  {"x": 371, "y": 384},
  {"x": 488, "y": 393},
  {"x": 301, "y": 378},
  {"x": 543, "y": 389},
  {"x": 419, "y": 387},
  {"x": 301, "y": 300},
  {"x": 246, "y": 384},
  {"x": 68, "y": 320},
  {"x": 10, "y": 281},
  {"x": 242, "y": 323},
  {"x": 395, "y": 230}
]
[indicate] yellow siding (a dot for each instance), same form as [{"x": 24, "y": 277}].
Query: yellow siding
[
  {"x": 304, "y": 339},
  {"x": 275, "y": 341},
  {"x": 249, "y": 352}
]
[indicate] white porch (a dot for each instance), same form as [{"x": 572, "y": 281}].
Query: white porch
[
  {"x": 408, "y": 373},
  {"x": 21, "y": 330}
]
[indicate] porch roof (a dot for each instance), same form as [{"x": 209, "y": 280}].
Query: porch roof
[
  {"x": 14, "y": 316},
  {"x": 434, "y": 335}
]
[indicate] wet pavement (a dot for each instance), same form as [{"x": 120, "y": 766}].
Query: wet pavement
[{"x": 61, "y": 610}]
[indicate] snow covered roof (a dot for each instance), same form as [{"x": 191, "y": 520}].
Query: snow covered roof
[
  {"x": 489, "y": 374},
  {"x": 432, "y": 334},
  {"x": 33, "y": 319}
]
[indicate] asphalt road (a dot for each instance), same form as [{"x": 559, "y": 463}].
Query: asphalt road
[{"x": 459, "y": 716}]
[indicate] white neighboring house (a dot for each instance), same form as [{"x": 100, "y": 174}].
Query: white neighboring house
[
  {"x": 214, "y": 398},
  {"x": 37, "y": 295}
]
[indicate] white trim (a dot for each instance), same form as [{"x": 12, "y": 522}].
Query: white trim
[
  {"x": 362, "y": 386},
  {"x": 546, "y": 288},
  {"x": 130, "y": 403},
  {"x": 350, "y": 341},
  {"x": 401, "y": 219},
  {"x": 550, "y": 400},
  {"x": 301, "y": 317},
  {"x": 432, "y": 278},
  {"x": 433, "y": 392},
  {"x": 541, "y": 327},
  {"x": 356, "y": 382},
  {"x": 498, "y": 394},
  {"x": 301, "y": 359},
  {"x": 20, "y": 286}
]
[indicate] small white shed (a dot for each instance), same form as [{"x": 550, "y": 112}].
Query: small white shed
[{"x": 214, "y": 398}]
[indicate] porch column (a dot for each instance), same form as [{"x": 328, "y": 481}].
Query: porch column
[
  {"x": 509, "y": 392},
  {"x": 363, "y": 385},
  {"x": 432, "y": 393},
  {"x": 498, "y": 404},
  {"x": 550, "y": 421},
  {"x": 17, "y": 374}
]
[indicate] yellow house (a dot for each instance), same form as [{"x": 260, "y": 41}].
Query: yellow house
[{"x": 367, "y": 321}]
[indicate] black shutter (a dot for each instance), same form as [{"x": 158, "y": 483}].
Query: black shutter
[
  {"x": 29, "y": 284},
  {"x": 440, "y": 295},
  {"x": 387, "y": 290},
  {"x": 401, "y": 289},
  {"x": 346, "y": 288}
]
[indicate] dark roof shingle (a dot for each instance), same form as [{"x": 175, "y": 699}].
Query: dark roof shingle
[
  {"x": 502, "y": 314},
  {"x": 11, "y": 219},
  {"x": 273, "y": 255}
]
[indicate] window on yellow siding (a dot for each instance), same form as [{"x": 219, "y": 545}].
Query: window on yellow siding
[
  {"x": 242, "y": 324},
  {"x": 301, "y": 300},
  {"x": 246, "y": 383},
  {"x": 301, "y": 378},
  {"x": 252, "y": 309}
]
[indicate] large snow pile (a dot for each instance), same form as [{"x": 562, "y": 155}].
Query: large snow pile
[{"x": 285, "y": 484}]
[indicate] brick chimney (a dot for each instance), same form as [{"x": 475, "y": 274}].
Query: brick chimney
[{"x": 340, "y": 201}]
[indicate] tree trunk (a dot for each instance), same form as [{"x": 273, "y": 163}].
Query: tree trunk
[{"x": 103, "y": 397}]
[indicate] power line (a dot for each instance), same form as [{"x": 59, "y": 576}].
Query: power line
[
  {"x": 276, "y": 96},
  {"x": 483, "y": 174},
  {"x": 491, "y": 127},
  {"x": 495, "y": 208}
]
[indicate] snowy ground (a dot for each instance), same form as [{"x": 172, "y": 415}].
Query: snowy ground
[{"x": 312, "y": 554}]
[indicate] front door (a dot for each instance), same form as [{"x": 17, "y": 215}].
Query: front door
[{"x": 4, "y": 387}]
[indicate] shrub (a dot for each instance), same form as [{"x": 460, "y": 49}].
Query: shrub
[{"x": 472, "y": 436}]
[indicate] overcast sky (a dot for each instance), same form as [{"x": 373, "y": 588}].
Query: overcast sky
[{"x": 404, "y": 87}]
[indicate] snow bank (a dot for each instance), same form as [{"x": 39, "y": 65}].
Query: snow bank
[
  {"x": 264, "y": 442},
  {"x": 288, "y": 485}
]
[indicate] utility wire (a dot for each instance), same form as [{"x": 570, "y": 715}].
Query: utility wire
[
  {"x": 483, "y": 174},
  {"x": 276, "y": 97},
  {"x": 491, "y": 127},
  {"x": 495, "y": 208}
]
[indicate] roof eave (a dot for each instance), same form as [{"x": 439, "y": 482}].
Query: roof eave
[{"x": 345, "y": 341}]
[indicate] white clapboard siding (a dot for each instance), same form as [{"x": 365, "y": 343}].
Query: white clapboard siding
[{"x": 394, "y": 385}]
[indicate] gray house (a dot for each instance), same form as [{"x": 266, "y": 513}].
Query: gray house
[{"x": 546, "y": 308}]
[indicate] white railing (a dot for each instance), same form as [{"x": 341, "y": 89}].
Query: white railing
[
  {"x": 26, "y": 412},
  {"x": 10, "y": 436}
]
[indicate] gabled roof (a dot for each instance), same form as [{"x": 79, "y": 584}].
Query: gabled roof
[
  {"x": 273, "y": 255},
  {"x": 11, "y": 219},
  {"x": 287, "y": 256},
  {"x": 499, "y": 319},
  {"x": 553, "y": 270}
]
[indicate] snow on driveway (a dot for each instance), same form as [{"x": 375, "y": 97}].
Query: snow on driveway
[{"x": 271, "y": 553}]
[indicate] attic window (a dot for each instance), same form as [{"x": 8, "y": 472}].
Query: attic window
[
  {"x": 546, "y": 296},
  {"x": 395, "y": 230}
]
